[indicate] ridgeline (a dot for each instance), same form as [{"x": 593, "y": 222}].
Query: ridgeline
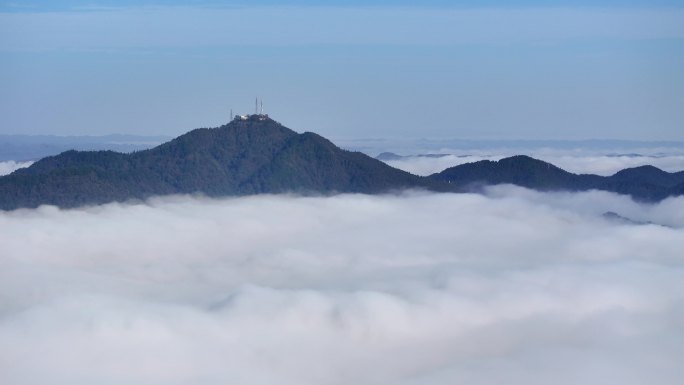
[
  {"x": 257, "y": 155},
  {"x": 251, "y": 156}
]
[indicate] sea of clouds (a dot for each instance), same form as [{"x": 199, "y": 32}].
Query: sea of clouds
[{"x": 512, "y": 286}]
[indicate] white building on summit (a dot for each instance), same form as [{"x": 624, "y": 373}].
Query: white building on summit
[{"x": 258, "y": 112}]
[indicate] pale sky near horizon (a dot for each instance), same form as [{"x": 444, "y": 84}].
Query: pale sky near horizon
[{"x": 346, "y": 69}]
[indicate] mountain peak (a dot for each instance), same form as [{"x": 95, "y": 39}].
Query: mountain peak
[
  {"x": 525, "y": 161},
  {"x": 252, "y": 154},
  {"x": 254, "y": 121},
  {"x": 252, "y": 118},
  {"x": 639, "y": 171},
  {"x": 649, "y": 175}
]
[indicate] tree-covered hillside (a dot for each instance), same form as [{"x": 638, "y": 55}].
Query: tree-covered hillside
[
  {"x": 252, "y": 156},
  {"x": 258, "y": 155}
]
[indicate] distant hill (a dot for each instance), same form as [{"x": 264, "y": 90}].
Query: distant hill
[
  {"x": 645, "y": 183},
  {"x": 258, "y": 155},
  {"x": 252, "y": 156},
  {"x": 33, "y": 147}
]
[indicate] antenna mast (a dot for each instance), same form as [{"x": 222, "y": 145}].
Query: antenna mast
[{"x": 261, "y": 111}]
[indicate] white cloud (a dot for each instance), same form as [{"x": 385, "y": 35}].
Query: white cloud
[
  {"x": 10, "y": 166},
  {"x": 424, "y": 165},
  {"x": 516, "y": 286}
]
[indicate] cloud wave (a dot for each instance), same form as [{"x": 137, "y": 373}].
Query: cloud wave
[
  {"x": 10, "y": 166},
  {"x": 513, "y": 286}
]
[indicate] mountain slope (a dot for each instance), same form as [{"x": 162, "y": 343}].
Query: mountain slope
[
  {"x": 251, "y": 156},
  {"x": 258, "y": 155},
  {"x": 312, "y": 163},
  {"x": 649, "y": 174}
]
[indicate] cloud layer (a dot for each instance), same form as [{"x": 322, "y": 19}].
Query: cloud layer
[{"x": 513, "y": 286}]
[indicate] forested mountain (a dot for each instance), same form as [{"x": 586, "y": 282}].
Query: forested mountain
[
  {"x": 252, "y": 156},
  {"x": 256, "y": 155},
  {"x": 645, "y": 183}
]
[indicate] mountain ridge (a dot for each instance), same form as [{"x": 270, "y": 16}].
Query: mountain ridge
[
  {"x": 243, "y": 157},
  {"x": 257, "y": 155},
  {"x": 645, "y": 183}
]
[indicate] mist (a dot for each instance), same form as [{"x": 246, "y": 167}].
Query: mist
[
  {"x": 513, "y": 286},
  {"x": 10, "y": 166}
]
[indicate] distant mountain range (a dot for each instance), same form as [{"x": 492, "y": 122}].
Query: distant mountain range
[
  {"x": 389, "y": 156},
  {"x": 259, "y": 155},
  {"x": 411, "y": 147},
  {"x": 34, "y": 147},
  {"x": 646, "y": 183}
]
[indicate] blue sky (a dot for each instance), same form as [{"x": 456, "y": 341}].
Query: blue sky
[
  {"x": 488, "y": 69},
  {"x": 71, "y": 4}
]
